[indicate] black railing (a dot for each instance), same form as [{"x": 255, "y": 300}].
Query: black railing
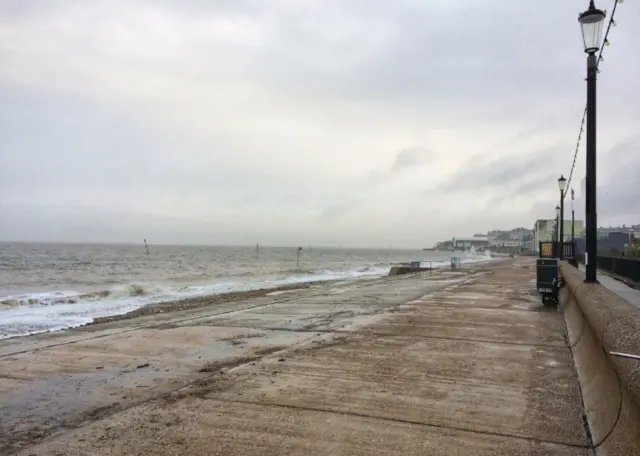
[
  {"x": 569, "y": 250},
  {"x": 624, "y": 267},
  {"x": 552, "y": 250}
]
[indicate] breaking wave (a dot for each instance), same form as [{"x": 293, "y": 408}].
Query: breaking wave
[
  {"x": 57, "y": 310},
  {"x": 65, "y": 297},
  {"x": 53, "y": 311}
]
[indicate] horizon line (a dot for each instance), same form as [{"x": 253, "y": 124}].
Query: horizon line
[{"x": 169, "y": 244}]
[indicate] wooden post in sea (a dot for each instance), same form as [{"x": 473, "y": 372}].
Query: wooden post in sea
[
  {"x": 146, "y": 247},
  {"x": 257, "y": 250},
  {"x": 298, "y": 256}
]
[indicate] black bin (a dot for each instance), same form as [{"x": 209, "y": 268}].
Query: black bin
[{"x": 547, "y": 275}]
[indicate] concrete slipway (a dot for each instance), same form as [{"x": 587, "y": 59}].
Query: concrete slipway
[{"x": 455, "y": 364}]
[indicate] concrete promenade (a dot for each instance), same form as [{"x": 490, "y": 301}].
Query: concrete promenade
[{"x": 462, "y": 363}]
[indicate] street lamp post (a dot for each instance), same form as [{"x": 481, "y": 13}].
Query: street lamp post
[
  {"x": 562, "y": 184},
  {"x": 555, "y": 244},
  {"x": 573, "y": 221},
  {"x": 591, "y": 22}
]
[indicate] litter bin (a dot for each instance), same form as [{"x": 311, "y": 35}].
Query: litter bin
[{"x": 547, "y": 280}]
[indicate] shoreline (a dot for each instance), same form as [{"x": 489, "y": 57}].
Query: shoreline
[
  {"x": 188, "y": 303},
  {"x": 205, "y": 301},
  {"x": 215, "y": 298},
  {"x": 199, "y": 302}
]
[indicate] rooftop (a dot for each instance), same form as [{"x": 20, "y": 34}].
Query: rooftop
[{"x": 471, "y": 239}]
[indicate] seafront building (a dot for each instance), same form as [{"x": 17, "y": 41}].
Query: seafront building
[
  {"x": 517, "y": 239},
  {"x": 609, "y": 241},
  {"x": 478, "y": 242},
  {"x": 514, "y": 240},
  {"x": 543, "y": 231}
]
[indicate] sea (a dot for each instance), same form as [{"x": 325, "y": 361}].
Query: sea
[{"x": 51, "y": 287}]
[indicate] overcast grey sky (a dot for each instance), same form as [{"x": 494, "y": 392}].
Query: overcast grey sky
[{"x": 351, "y": 122}]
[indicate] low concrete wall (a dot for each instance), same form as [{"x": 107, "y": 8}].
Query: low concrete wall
[
  {"x": 599, "y": 322},
  {"x": 400, "y": 270}
]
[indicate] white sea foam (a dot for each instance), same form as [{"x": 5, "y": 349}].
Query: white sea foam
[{"x": 53, "y": 311}]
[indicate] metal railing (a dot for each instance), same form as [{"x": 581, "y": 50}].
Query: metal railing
[
  {"x": 552, "y": 250},
  {"x": 624, "y": 267}
]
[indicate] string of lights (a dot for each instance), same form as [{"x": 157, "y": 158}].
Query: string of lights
[{"x": 606, "y": 42}]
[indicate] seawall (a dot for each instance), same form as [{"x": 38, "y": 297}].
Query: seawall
[
  {"x": 600, "y": 323},
  {"x": 401, "y": 270}
]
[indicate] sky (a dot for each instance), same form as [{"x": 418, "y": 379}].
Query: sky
[{"x": 367, "y": 123}]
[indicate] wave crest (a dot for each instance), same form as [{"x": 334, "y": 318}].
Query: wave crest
[{"x": 57, "y": 298}]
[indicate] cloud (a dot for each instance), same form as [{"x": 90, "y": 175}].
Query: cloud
[
  {"x": 306, "y": 120},
  {"x": 366, "y": 191},
  {"x": 528, "y": 186},
  {"x": 508, "y": 174},
  {"x": 339, "y": 208},
  {"x": 408, "y": 160},
  {"x": 618, "y": 187},
  {"x": 411, "y": 157}
]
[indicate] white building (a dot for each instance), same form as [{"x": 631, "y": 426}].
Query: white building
[
  {"x": 543, "y": 231},
  {"x": 517, "y": 243},
  {"x": 468, "y": 242}
]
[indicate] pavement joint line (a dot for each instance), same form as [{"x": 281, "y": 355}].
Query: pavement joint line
[
  {"x": 153, "y": 325},
  {"x": 442, "y": 380},
  {"x": 385, "y": 335},
  {"x": 399, "y": 420},
  {"x": 464, "y": 306}
]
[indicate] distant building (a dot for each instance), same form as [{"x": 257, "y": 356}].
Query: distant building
[
  {"x": 543, "y": 231},
  {"x": 608, "y": 241},
  {"x": 520, "y": 233},
  {"x": 498, "y": 238},
  {"x": 468, "y": 242},
  {"x": 517, "y": 243},
  {"x": 618, "y": 229},
  {"x": 512, "y": 243}
]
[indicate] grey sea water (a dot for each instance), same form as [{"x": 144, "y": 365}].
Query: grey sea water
[{"x": 46, "y": 287}]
